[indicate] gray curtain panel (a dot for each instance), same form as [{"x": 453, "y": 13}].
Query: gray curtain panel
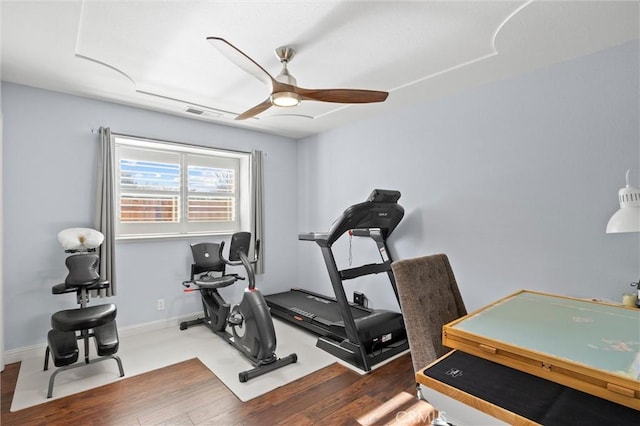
[
  {"x": 105, "y": 211},
  {"x": 257, "y": 189}
]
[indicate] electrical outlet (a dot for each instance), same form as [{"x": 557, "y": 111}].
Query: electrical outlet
[{"x": 161, "y": 304}]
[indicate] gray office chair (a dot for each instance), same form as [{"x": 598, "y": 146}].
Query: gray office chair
[{"x": 429, "y": 298}]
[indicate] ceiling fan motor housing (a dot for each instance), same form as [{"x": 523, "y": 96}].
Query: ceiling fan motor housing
[{"x": 285, "y": 99}]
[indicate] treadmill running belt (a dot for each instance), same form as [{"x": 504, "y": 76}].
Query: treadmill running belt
[
  {"x": 317, "y": 307},
  {"x": 532, "y": 397}
]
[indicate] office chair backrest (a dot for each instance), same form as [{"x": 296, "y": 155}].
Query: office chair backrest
[
  {"x": 207, "y": 257},
  {"x": 429, "y": 298}
]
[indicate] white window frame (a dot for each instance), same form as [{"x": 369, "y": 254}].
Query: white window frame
[{"x": 131, "y": 147}]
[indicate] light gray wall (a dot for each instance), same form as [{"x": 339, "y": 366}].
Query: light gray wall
[
  {"x": 515, "y": 181},
  {"x": 49, "y": 164}
]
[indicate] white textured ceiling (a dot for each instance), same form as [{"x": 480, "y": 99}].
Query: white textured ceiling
[{"x": 154, "y": 54}]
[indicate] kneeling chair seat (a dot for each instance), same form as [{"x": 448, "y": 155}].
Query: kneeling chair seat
[{"x": 62, "y": 339}]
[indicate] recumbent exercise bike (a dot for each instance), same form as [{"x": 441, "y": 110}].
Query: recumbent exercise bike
[{"x": 252, "y": 331}]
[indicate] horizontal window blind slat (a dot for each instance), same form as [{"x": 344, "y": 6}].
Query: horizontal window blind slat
[
  {"x": 149, "y": 175},
  {"x": 211, "y": 179},
  {"x": 210, "y": 209},
  {"x": 150, "y": 209}
]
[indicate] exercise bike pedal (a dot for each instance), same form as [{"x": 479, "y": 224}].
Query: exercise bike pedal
[{"x": 235, "y": 319}]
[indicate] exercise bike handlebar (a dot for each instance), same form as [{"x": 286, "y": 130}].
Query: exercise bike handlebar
[
  {"x": 248, "y": 266},
  {"x": 244, "y": 261}
]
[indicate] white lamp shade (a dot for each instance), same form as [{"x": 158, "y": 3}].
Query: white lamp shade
[
  {"x": 624, "y": 220},
  {"x": 627, "y": 219}
]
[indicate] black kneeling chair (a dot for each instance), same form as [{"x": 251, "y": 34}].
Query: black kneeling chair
[
  {"x": 252, "y": 331},
  {"x": 71, "y": 325}
]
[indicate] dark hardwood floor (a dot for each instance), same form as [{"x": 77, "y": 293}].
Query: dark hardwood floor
[{"x": 188, "y": 393}]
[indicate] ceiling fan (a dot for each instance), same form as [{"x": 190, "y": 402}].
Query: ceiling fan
[{"x": 284, "y": 89}]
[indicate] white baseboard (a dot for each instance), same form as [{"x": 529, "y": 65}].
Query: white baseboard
[{"x": 26, "y": 352}]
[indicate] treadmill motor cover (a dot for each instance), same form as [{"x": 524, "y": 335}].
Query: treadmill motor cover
[{"x": 379, "y": 330}]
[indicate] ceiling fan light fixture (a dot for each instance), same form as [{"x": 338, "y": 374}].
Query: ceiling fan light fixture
[{"x": 285, "y": 99}]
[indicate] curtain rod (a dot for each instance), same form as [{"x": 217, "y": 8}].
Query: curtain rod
[{"x": 144, "y": 138}]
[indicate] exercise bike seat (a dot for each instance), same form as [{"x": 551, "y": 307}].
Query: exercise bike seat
[
  {"x": 207, "y": 258},
  {"x": 207, "y": 281}
]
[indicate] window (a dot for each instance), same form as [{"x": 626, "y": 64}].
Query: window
[{"x": 167, "y": 189}]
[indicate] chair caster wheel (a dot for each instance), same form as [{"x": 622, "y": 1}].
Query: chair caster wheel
[
  {"x": 183, "y": 326},
  {"x": 243, "y": 376}
]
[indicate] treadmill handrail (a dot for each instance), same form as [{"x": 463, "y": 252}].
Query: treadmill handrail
[
  {"x": 324, "y": 236},
  {"x": 313, "y": 236},
  {"x": 368, "y": 269}
]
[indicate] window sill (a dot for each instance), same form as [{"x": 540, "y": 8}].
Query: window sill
[{"x": 126, "y": 238}]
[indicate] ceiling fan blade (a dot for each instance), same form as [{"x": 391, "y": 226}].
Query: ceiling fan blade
[
  {"x": 241, "y": 59},
  {"x": 255, "y": 110},
  {"x": 343, "y": 96}
]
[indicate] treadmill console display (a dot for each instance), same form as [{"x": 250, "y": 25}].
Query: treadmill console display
[{"x": 384, "y": 196}]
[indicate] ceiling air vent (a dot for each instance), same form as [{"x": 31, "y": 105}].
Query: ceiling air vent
[{"x": 195, "y": 111}]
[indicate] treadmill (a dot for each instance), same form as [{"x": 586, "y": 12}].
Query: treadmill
[{"x": 361, "y": 336}]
